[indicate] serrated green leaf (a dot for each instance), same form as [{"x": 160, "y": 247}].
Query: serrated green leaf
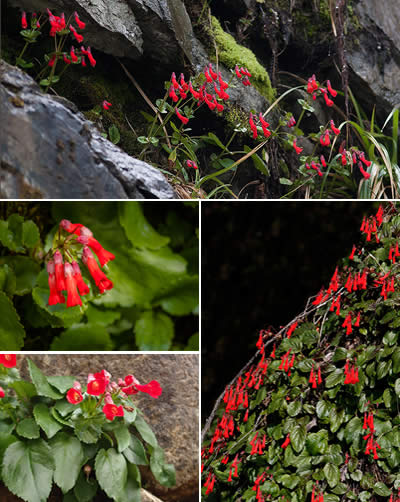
[
  {"x": 122, "y": 436},
  {"x": 145, "y": 431},
  {"x": 28, "y": 428},
  {"x": 83, "y": 337},
  {"x": 135, "y": 453},
  {"x": 41, "y": 383},
  {"x": 111, "y": 472},
  {"x": 163, "y": 472},
  {"x": 12, "y": 333},
  {"x": 28, "y": 470},
  {"x": 24, "y": 390},
  {"x": 154, "y": 331},
  {"x": 181, "y": 299},
  {"x": 45, "y": 421},
  {"x": 68, "y": 457}
]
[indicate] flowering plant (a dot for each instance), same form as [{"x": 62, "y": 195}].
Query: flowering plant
[
  {"x": 56, "y": 428},
  {"x": 60, "y": 30},
  {"x": 313, "y": 415}
]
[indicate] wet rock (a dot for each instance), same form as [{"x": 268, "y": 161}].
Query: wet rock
[
  {"x": 373, "y": 53},
  {"x": 160, "y": 29},
  {"x": 174, "y": 417},
  {"x": 49, "y": 150}
]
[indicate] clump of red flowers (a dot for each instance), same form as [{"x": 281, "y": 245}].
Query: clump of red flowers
[
  {"x": 351, "y": 374},
  {"x": 64, "y": 273},
  {"x": 100, "y": 385}
]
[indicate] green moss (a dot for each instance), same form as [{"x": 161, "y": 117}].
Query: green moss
[{"x": 230, "y": 53}]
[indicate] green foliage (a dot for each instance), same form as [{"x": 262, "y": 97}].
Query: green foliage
[
  {"x": 155, "y": 277},
  {"x": 44, "y": 438},
  {"x": 326, "y": 423}
]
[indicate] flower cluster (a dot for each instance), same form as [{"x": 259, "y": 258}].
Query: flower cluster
[
  {"x": 67, "y": 276},
  {"x": 254, "y": 128},
  {"x": 316, "y": 494},
  {"x": 287, "y": 362},
  {"x": 234, "y": 468},
  {"x": 351, "y": 374},
  {"x": 372, "y": 445},
  {"x": 257, "y": 444},
  {"x": 101, "y": 386},
  {"x": 315, "y": 377},
  {"x": 314, "y": 88},
  {"x": 348, "y": 323},
  {"x": 370, "y": 226}
]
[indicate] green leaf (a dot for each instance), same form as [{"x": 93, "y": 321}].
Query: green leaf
[
  {"x": 397, "y": 387},
  {"x": 28, "y": 428},
  {"x": 289, "y": 481},
  {"x": 163, "y": 472},
  {"x": 122, "y": 436},
  {"x": 24, "y": 390},
  {"x": 383, "y": 369},
  {"x": 138, "y": 229},
  {"x": 334, "y": 378},
  {"x": 45, "y": 421},
  {"x": 381, "y": 489},
  {"x": 131, "y": 491},
  {"x": 83, "y": 337},
  {"x": 111, "y": 471},
  {"x": 61, "y": 383},
  {"x": 40, "y": 382},
  {"x": 8, "y": 281},
  {"x": 12, "y": 333},
  {"x": 285, "y": 181},
  {"x": 69, "y": 458},
  {"x": 135, "y": 453},
  {"x": 332, "y": 474},
  {"x": 183, "y": 298},
  {"x": 298, "y": 437},
  {"x": 294, "y": 408},
  {"x": 30, "y": 234},
  {"x": 28, "y": 470},
  {"x": 323, "y": 409},
  {"x": 114, "y": 135},
  {"x": 317, "y": 442},
  {"x": 25, "y": 270},
  {"x": 49, "y": 81},
  {"x": 154, "y": 331},
  {"x": 85, "y": 490},
  {"x": 145, "y": 431}
]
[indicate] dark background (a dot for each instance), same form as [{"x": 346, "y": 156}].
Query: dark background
[{"x": 260, "y": 263}]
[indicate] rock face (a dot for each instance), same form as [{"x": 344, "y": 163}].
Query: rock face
[
  {"x": 374, "y": 56},
  {"x": 49, "y": 150},
  {"x": 128, "y": 28},
  {"x": 174, "y": 417}
]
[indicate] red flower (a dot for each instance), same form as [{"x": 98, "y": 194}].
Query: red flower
[
  {"x": 246, "y": 82},
  {"x": 325, "y": 139},
  {"x": 285, "y": 444},
  {"x": 153, "y": 389},
  {"x": 24, "y": 23},
  {"x": 172, "y": 94},
  {"x": 195, "y": 94},
  {"x": 72, "y": 228},
  {"x": 312, "y": 85},
  {"x": 96, "y": 386},
  {"x": 264, "y": 126},
  {"x": 291, "y": 122},
  {"x": 74, "y": 57},
  {"x": 66, "y": 60},
  {"x": 174, "y": 81},
  {"x": 328, "y": 101},
  {"x": 74, "y": 396},
  {"x": 8, "y": 360},
  {"x": 332, "y": 92},
  {"x": 81, "y": 24},
  {"x": 78, "y": 37},
  {"x": 73, "y": 298},
  {"x": 351, "y": 257},
  {"x": 2, "y": 393},
  {"x": 106, "y": 105},
  {"x": 334, "y": 128},
  {"x": 223, "y": 85},
  {"x": 245, "y": 71},
  {"x": 83, "y": 61},
  {"x": 207, "y": 75},
  {"x": 100, "y": 279},
  {"x": 237, "y": 71},
  {"x": 297, "y": 148},
  {"x": 55, "y": 296},
  {"x": 323, "y": 161},
  {"x": 253, "y": 127},
  {"x": 183, "y": 119},
  {"x": 92, "y": 61},
  {"x": 190, "y": 163},
  {"x": 214, "y": 75},
  {"x": 103, "y": 255},
  {"x": 59, "y": 271},
  {"x": 112, "y": 410},
  {"x": 363, "y": 172},
  {"x": 81, "y": 284}
]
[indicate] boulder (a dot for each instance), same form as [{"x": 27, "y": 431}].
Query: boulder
[
  {"x": 49, "y": 150},
  {"x": 160, "y": 29},
  {"x": 174, "y": 416}
]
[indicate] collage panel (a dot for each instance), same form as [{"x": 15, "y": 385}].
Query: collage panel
[
  {"x": 99, "y": 427},
  {"x": 300, "y": 351},
  {"x": 99, "y": 276}
]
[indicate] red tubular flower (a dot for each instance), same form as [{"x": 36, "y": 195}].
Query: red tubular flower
[
  {"x": 92, "y": 61},
  {"x": 351, "y": 257},
  {"x": 24, "y": 22},
  {"x": 334, "y": 128},
  {"x": 253, "y": 127},
  {"x": 245, "y": 71},
  {"x": 273, "y": 352},
  {"x": 100, "y": 279},
  {"x": 83, "y": 288},
  {"x": 286, "y": 443},
  {"x": 332, "y": 92},
  {"x": 55, "y": 296},
  {"x": 78, "y": 37},
  {"x": 73, "y": 298},
  {"x": 210, "y": 101},
  {"x": 219, "y": 107},
  {"x": 103, "y": 255},
  {"x": 74, "y": 396},
  {"x": 264, "y": 125},
  {"x": 291, "y": 329},
  {"x": 357, "y": 323},
  {"x": 223, "y": 85},
  {"x": 74, "y": 57},
  {"x": 237, "y": 71},
  {"x": 66, "y": 60},
  {"x": 2, "y": 393},
  {"x": 363, "y": 172},
  {"x": 8, "y": 360},
  {"x": 172, "y": 94},
  {"x": 328, "y": 101},
  {"x": 72, "y": 228},
  {"x": 207, "y": 75},
  {"x": 364, "y": 160},
  {"x": 83, "y": 61},
  {"x": 214, "y": 75},
  {"x": 174, "y": 81},
  {"x": 112, "y": 410},
  {"x": 81, "y": 24},
  {"x": 319, "y": 376},
  {"x": 190, "y": 163},
  {"x": 195, "y": 94},
  {"x": 297, "y": 148},
  {"x": 325, "y": 138},
  {"x": 52, "y": 60},
  {"x": 106, "y": 105},
  {"x": 59, "y": 271},
  {"x": 246, "y": 82},
  {"x": 183, "y": 119},
  {"x": 182, "y": 93},
  {"x": 312, "y": 84}
]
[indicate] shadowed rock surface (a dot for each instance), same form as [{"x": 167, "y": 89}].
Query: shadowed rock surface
[
  {"x": 174, "y": 417},
  {"x": 49, "y": 150}
]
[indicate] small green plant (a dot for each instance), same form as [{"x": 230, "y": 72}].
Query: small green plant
[{"x": 82, "y": 438}]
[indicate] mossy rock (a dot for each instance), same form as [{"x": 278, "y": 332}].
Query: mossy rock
[{"x": 230, "y": 53}]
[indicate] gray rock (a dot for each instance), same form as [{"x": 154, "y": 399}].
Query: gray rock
[
  {"x": 174, "y": 416},
  {"x": 49, "y": 150},
  {"x": 374, "y": 56},
  {"x": 128, "y": 28}
]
